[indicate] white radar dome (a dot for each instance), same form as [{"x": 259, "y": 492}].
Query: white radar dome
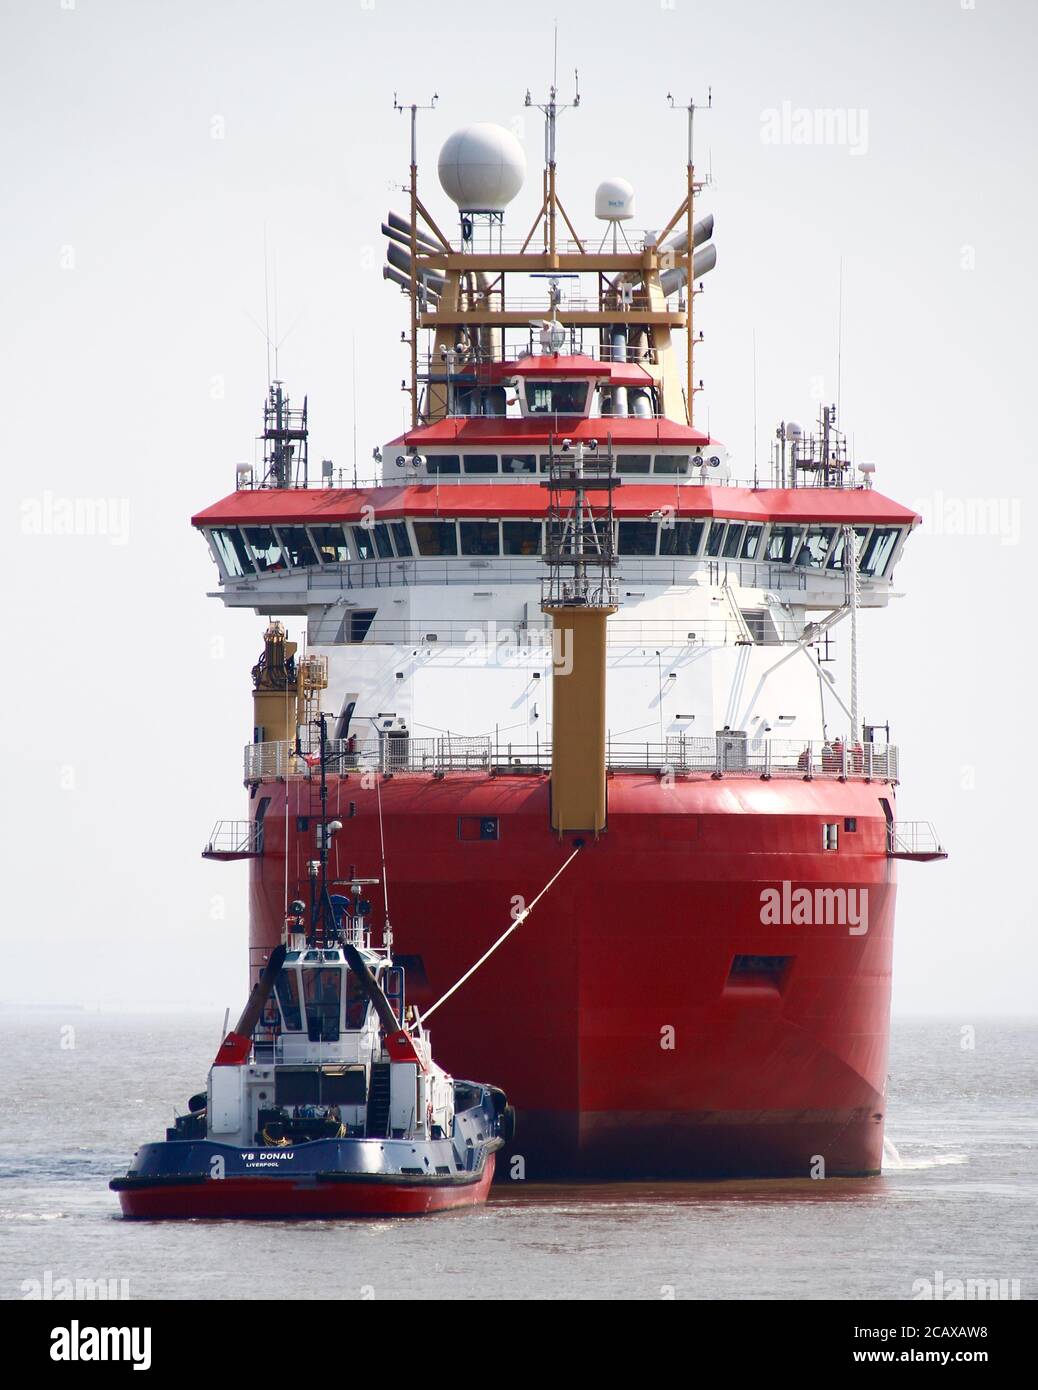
[
  {"x": 482, "y": 168},
  {"x": 614, "y": 200}
]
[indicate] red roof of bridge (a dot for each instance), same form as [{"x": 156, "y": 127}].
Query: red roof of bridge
[{"x": 313, "y": 506}]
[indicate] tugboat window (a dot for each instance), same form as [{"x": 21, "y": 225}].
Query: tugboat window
[
  {"x": 321, "y": 989},
  {"x": 443, "y": 463},
  {"x": 287, "y": 991},
  {"x": 356, "y": 1002}
]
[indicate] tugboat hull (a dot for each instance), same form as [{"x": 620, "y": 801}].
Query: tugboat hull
[{"x": 180, "y": 1180}]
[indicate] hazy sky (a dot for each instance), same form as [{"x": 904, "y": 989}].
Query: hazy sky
[{"x": 147, "y": 145}]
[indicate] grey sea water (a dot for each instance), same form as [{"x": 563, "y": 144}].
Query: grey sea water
[{"x": 958, "y": 1198}]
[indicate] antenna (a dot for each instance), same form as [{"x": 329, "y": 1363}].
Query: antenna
[
  {"x": 755, "y": 407},
  {"x": 414, "y": 109},
  {"x": 839, "y": 343},
  {"x": 550, "y": 206},
  {"x": 690, "y": 197}
]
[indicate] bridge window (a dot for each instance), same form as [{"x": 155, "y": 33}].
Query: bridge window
[
  {"x": 671, "y": 463},
  {"x": 682, "y": 538},
  {"x": 716, "y": 535},
  {"x": 518, "y": 463},
  {"x": 480, "y": 463},
  {"x": 401, "y": 539},
  {"x": 521, "y": 537},
  {"x": 479, "y": 538},
  {"x": 297, "y": 546},
  {"x": 266, "y": 548},
  {"x": 835, "y": 561},
  {"x": 751, "y": 542},
  {"x": 331, "y": 544},
  {"x": 436, "y": 537},
  {"x": 637, "y": 538},
  {"x": 443, "y": 463},
  {"x": 731, "y": 541},
  {"x": 782, "y": 543},
  {"x": 879, "y": 550},
  {"x": 556, "y": 397},
  {"x": 372, "y": 542},
  {"x": 633, "y": 463},
  {"x": 816, "y": 544},
  {"x": 232, "y": 552}
]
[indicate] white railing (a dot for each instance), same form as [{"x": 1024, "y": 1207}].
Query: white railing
[
  {"x": 720, "y": 756},
  {"x": 470, "y": 571},
  {"x": 344, "y": 480},
  {"x": 915, "y": 839},
  {"x": 234, "y": 837}
]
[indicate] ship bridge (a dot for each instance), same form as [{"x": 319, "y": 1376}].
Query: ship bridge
[{"x": 421, "y": 584}]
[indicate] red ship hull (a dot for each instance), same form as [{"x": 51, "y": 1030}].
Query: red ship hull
[
  {"x": 268, "y": 1198},
  {"x": 627, "y": 1018}
]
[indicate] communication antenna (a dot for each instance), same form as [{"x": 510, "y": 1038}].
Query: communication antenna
[
  {"x": 552, "y": 108},
  {"x": 839, "y": 343},
  {"x": 690, "y": 197},
  {"x": 414, "y": 108}
]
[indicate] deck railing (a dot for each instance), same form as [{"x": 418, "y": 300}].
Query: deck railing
[{"x": 720, "y": 756}]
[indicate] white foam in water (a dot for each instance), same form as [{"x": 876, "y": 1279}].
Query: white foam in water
[{"x": 892, "y": 1160}]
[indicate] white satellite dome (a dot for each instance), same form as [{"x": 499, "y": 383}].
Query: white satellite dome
[
  {"x": 482, "y": 168},
  {"x": 614, "y": 200}
]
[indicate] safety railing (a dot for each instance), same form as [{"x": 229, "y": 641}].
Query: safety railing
[
  {"x": 914, "y": 839},
  {"x": 470, "y": 571},
  {"x": 234, "y": 839},
  {"x": 722, "y": 755}
]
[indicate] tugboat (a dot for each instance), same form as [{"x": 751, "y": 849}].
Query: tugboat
[{"x": 324, "y": 1099}]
